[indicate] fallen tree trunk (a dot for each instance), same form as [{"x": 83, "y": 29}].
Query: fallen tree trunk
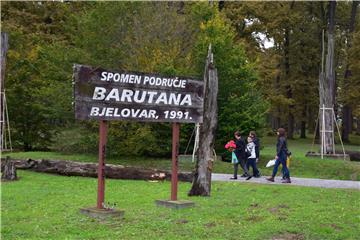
[
  {"x": 354, "y": 156},
  {"x": 69, "y": 168}
]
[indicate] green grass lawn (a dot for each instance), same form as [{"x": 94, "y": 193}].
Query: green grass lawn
[
  {"x": 44, "y": 206},
  {"x": 301, "y": 166}
]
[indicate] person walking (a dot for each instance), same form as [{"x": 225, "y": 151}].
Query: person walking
[
  {"x": 281, "y": 155},
  {"x": 256, "y": 141},
  {"x": 251, "y": 161},
  {"x": 241, "y": 155},
  {"x": 231, "y": 146}
]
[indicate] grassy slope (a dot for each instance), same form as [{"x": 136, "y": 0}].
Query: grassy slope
[
  {"x": 42, "y": 206},
  {"x": 301, "y": 166}
]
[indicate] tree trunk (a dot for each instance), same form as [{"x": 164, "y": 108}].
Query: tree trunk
[
  {"x": 8, "y": 170},
  {"x": 69, "y": 168},
  {"x": 201, "y": 185},
  {"x": 311, "y": 121},
  {"x": 346, "y": 129},
  {"x": 275, "y": 121},
  {"x": 303, "y": 129},
  {"x": 290, "y": 130},
  {"x": 303, "y": 122},
  {"x": 327, "y": 120},
  {"x": 317, "y": 133},
  {"x": 358, "y": 126},
  {"x": 347, "y": 116}
]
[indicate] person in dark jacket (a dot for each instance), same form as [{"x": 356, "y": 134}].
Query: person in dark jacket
[
  {"x": 281, "y": 155},
  {"x": 241, "y": 156},
  {"x": 256, "y": 141}
]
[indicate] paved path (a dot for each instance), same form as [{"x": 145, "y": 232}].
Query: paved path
[{"x": 309, "y": 182}]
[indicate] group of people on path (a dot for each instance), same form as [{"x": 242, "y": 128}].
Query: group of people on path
[{"x": 248, "y": 154}]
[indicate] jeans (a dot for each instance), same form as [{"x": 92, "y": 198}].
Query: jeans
[
  {"x": 252, "y": 162},
  {"x": 282, "y": 160}
]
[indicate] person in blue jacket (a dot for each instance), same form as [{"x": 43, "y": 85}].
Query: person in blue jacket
[{"x": 281, "y": 155}]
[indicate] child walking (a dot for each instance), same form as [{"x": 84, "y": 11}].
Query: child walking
[
  {"x": 231, "y": 146},
  {"x": 250, "y": 149}
]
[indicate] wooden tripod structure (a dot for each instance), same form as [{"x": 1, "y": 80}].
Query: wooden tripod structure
[
  {"x": 325, "y": 133},
  {"x": 5, "y": 138}
]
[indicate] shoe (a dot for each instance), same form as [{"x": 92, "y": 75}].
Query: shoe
[
  {"x": 233, "y": 178},
  {"x": 244, "y": 175},
  {"x": 286, "y": 180},
  {"x": 257, "y": 175},
  {"x": 270, "y": 179},
  {"x": 249, "y": 177}
]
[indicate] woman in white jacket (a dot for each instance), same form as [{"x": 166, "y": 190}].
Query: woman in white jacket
[{"x": 250, "y": 149}]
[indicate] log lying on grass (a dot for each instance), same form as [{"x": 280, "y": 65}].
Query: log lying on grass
[
  {"x": 69, "y": 168},
  {"x": 354, "y": 156}
]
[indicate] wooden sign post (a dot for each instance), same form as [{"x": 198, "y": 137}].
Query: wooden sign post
[
  {"x": 106, "y": 95},
  {"x": 174, "y": 160},
  {"x": 101, "y": 167}
]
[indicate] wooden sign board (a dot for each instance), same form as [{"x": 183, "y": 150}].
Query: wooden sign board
[{"x": 118, "y": 95}]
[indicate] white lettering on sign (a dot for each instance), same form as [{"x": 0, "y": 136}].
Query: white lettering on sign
[
  {"x": 123, "y": 113},
  {"x": 165, "y": 82},
  {"x": 99, "y": 93},
  {"x": 140, "y": 96},
  {"x": 148, "y": 80},
  {"x": 122, "y": 78}
]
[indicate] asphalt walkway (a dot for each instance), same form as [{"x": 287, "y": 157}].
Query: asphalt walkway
[{"x": 308, "y": 182}]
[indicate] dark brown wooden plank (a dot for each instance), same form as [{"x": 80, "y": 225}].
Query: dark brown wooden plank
[
  {"x": 90, "y": 105},
  {"x": 91, "y": 75}
]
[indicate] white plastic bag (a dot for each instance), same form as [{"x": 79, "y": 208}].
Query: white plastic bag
[{"x": 271, "y": 163}]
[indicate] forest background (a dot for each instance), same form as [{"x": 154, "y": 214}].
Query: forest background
[{"x": 268, "y": 56}]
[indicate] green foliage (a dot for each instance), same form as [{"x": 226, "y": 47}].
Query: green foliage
[
  {"x": 241, "y": 106},
  {"x": 352, "y": 91},
  {"x": 38, "y": 78},
  {"x": 170, "y": 38}
]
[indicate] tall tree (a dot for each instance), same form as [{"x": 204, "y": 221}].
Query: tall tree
[
  {"x": 327, "y": 86},
  {"x": 347, "y": 110},
  {"x": 352, "y": 92}
]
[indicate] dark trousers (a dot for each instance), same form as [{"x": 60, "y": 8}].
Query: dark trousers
[
  {"x": 236, "y": 167},
  {"x": 243, "y": 166},
  {"x": 242, "y": 163},
  {"x": 252, "y": 162},
  {"x": 282, "y": 160}
]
